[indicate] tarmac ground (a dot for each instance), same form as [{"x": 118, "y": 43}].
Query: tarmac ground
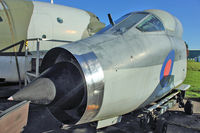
[{"x": 40, "y": 120}]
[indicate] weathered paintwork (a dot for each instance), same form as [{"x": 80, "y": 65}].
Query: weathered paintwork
[
  {"x": 16, "y": 15},
  {"x": 125, "y": 67},
  {"x": 132, "y": 63}
]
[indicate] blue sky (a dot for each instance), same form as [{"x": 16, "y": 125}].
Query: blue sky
[{"x": 187, "y": 11}]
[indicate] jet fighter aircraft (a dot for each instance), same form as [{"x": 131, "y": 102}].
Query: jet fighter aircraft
[{"x": 137, "y": 60}]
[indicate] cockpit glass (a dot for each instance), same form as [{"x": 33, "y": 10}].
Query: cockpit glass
[
  {"x": 150, "y": 24},
  {"x": 131, "y": 20},
  {"x": 116, "y": 22}
]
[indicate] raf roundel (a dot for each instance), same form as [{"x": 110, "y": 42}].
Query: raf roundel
[{"x": 167, "y": 67}]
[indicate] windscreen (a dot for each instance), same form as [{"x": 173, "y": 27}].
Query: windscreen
[
  {"x": 126, "y": 22},
  {"x": 151, "y": 24}
]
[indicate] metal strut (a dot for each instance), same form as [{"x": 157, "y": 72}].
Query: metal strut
[
  {"x": 30, "y": 75},
  {"x": 151, "y": 114}
]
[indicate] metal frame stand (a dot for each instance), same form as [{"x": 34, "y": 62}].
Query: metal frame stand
[{"x": 28, "y": 75}]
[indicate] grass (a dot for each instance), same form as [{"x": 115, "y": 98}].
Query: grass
[{"x": 193, "y": 79}]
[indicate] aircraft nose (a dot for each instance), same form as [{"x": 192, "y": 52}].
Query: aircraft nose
[
  {"x": 40, "y": 91},
  {"x": 62, "y": 84},
  {"x": 61, "y": 87}
]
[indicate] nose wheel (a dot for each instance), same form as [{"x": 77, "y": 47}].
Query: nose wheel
[{"x": 188, "y": 108}]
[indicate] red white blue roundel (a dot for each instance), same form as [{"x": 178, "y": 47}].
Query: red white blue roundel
[{"x": 167, "y": 66}]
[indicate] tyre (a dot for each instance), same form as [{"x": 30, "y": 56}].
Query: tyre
[{"x": 188, "y": 107}]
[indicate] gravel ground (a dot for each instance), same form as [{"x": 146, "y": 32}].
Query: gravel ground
[{"x": 175, "y": 120}]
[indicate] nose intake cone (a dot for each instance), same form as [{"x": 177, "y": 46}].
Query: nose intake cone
[
  {"x": 41, "y": 91},
  {"x": 62, "y": 87}
]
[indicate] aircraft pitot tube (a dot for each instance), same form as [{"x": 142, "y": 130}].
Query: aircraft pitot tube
[{"x": 125, "y": 66}]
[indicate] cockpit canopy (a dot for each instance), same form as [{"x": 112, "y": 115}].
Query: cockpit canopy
[
  {"x": 147, "y": 21},
  {"x": 172, "y": 25}
]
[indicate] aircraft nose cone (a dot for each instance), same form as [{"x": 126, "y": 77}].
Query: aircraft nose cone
[
  {"x": 62, "y": 87},
  {"x": 61, "y": 84},
  {"x": 41, "y": 91}
]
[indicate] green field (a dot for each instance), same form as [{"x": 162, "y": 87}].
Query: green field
[{"x": 193, "y": 79}]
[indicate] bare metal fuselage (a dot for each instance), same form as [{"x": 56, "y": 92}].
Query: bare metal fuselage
[
  {"x": 122, "y": 68},
  {"x": 132, "y": 66}
]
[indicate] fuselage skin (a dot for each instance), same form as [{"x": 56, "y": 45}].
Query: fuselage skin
[
  {"x": 132, "y": 66},
  {"x": 133, "y": 63},
  {"x": 122, "y": 68}
]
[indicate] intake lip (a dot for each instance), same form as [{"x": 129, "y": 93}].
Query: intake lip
[
  {"x": 71, "y": 85},
  {"x": 94, "y": 77},
  {"x": 92, "y": 73}
]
